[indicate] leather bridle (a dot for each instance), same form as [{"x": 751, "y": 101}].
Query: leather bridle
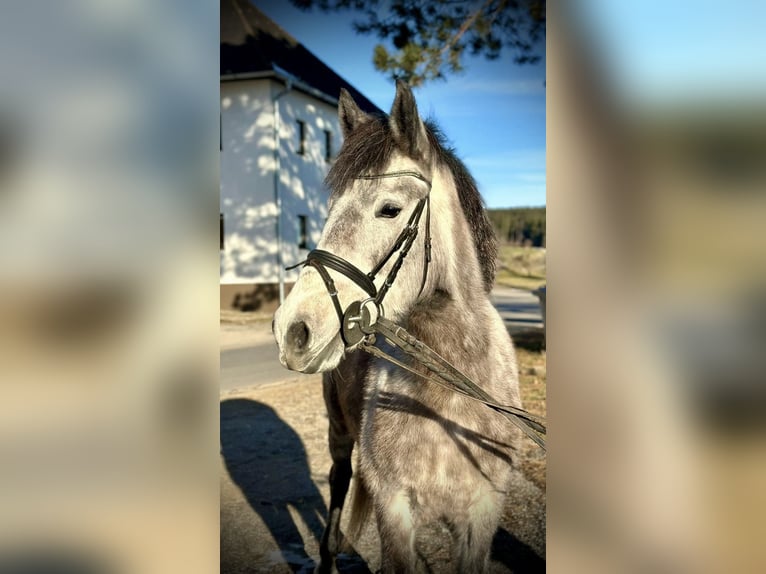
[{"x": 322, "y": 260}]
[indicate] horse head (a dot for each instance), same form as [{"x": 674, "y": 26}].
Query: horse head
[{"x": 391, "y": 175}]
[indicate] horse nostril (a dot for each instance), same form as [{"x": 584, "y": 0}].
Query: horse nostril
[{"x": 298, "y": 335}]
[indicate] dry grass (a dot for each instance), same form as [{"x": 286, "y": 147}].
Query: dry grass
[
  {"x": 522, "y": 267},
  {"x": 532, "y": 382}
]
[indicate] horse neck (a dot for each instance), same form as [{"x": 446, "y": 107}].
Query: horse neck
[{"x": 451, "y": 312}]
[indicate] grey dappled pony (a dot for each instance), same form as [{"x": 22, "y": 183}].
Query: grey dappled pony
[{"x": 425, "y": 455}]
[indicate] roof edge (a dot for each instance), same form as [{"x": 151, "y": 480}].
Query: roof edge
[{"x": 285, "y": 79}]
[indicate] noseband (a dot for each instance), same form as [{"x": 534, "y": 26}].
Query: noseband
[{"x": 321, "y": 260}]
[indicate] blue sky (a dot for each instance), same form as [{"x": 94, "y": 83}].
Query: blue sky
[
  {"x": 493, "y": 113},
  {"x": 658, "y": 53}
]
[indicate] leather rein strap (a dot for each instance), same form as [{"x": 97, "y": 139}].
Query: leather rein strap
[
  {"x": 321, "y": 260},
  {"x": 443, "y": 373}
]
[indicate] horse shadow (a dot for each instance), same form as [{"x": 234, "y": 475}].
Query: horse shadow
[{"x": 267, "y": 460}]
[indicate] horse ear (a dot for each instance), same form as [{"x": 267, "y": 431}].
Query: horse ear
[
  {"x": 406, "y": 126},
  {"x": 349, "y": 113}
]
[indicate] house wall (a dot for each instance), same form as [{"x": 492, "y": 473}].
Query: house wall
[
  {"x": 247, "y": 182},
  {"x": 302, "y": 176},
  {"x": 248, "y": 263}
]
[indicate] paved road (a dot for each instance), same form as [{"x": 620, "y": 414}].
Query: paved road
[
  {"x": 249, "y": 357},
  {"x": 519, "y": 309},
  {"x": 249, "y": 354}
]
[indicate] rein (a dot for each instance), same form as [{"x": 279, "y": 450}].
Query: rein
[
  {"x": 362, "y": 320},
  {"x": 444, "y": 373}
]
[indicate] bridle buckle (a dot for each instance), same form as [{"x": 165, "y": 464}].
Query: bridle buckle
[{"x": 359, "y": 320}]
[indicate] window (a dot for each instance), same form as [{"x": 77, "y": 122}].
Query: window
[
  {"x": 303, "y": 232},
  {"x": 327, "y": 145},
  {"x": 301, "y": 137},
  {"x": 220, "y": 225}
]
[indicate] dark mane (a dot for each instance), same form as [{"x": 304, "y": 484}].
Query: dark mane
[{"x": 368, "y": 149}]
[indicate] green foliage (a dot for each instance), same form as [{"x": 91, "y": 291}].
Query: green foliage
[
  {"x": 428, "y": 40},
  {"x": 520, "y": 226}
]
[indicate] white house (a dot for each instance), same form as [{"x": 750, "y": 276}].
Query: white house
[{"x": 279, "y": 135}]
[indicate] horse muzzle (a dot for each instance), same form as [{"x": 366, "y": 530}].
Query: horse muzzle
[{"x": 306, "y": 345}]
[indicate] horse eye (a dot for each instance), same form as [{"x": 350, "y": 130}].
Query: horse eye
[{"x": 389, "y": 211}]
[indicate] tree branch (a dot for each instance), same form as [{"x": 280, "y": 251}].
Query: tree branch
[{"x": 464, "y": 28}]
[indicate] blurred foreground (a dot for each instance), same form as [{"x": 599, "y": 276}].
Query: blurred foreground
[
  {"x": 108, "y": 287},
  {"x": 656, "y": 206}
]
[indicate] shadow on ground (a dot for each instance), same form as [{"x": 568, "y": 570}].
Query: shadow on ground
[
  {"x": 531, "y": 339},
  {"x": 514, "y": 554},
  {"x": 267, "y": 460}
]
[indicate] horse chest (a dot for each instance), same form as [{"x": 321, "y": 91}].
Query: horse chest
[{"x": 411, "y": 440}]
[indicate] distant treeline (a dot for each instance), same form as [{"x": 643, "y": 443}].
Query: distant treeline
[{"x": 520, "y": 225}]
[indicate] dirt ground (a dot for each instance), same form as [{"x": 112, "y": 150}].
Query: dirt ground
[{"x": 275, "y": 491}]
